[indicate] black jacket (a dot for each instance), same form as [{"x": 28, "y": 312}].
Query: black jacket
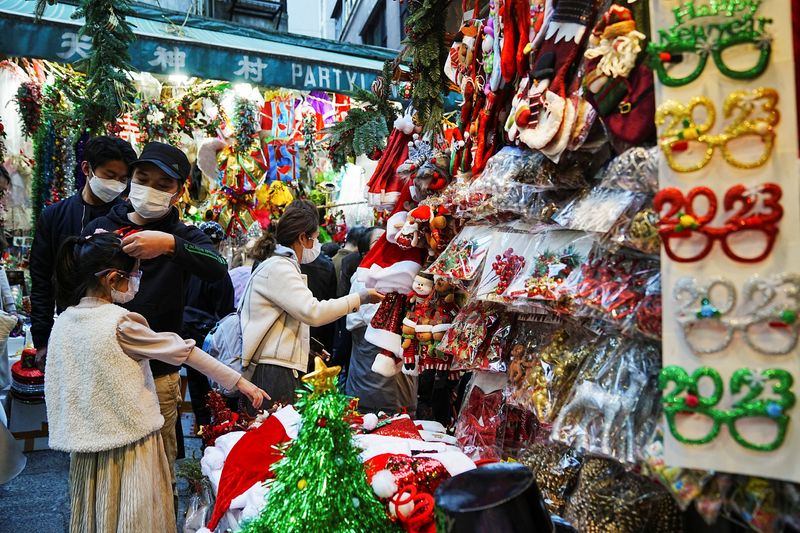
[
  {"x": 206, "y": 303},
  {"x": 63, "y": 219},
  {"x": 321, "y": 276},
  {"x": 164, "y": 279}
]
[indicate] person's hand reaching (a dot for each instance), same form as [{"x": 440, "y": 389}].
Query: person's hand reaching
[
  {"x": 371, "y": 296},
  {"x": 253, "y": 393}
]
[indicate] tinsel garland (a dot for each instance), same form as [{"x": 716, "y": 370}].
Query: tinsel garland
[
  {"x": 364, "y": 129},
  {"x": 110, "y": 89},
  {"x": 29, "y": 105},
  {"x": 44, "y": 142},
  {"x": 425, "y": 30},
  {"x": 246, "y": 122},
  {"x": 320, "y": 484}
]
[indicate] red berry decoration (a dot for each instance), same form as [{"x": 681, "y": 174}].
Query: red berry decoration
[
  {"x": 692, "y": 401},
  {"x": 322, "y": 422}
]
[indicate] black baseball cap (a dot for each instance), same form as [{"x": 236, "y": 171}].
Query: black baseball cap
[{"x": 171, "y": 160}]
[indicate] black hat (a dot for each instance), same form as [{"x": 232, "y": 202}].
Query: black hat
[
  {"x": 171, "y": 160},
  {"x": 501, "y": 498}
]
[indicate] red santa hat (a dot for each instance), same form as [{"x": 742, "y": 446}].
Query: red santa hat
[{"x": 385, "y": 186}]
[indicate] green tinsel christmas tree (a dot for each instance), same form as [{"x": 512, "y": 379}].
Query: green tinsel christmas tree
[{"x": 320, "y": 484}]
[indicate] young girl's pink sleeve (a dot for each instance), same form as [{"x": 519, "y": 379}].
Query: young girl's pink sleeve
[{"x": 140, "y": 342}]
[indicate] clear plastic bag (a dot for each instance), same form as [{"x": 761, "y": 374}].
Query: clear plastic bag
[
  {"x": 685, "y": 485},
  {"x": 596, "y": 210},
  {"x": 640, "y": 232},
  {"x": 710, "y": 503},
  {"x": 610, "y": 498},
  {"x": 635, "y": 169},
  {"x": 199, "y": 509},
  {"x": 545, "y": 359},
  {"x": 469, "y": 338},
  {"x": 503, "y": 262},
  {"x": 609, "y": 409},
  {"x": 556, "y": 468},
  {"x": 480, "y": 424},
  {"x": 756, "y": 502},
  {"x": 464, "y": 257},
  {"x": 552, "y": 257}
]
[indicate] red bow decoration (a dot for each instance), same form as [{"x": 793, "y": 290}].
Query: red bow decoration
[{"x": 420, "y": 519}]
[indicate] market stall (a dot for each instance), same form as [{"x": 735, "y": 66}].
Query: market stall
[{"x": 590, "y": 245}]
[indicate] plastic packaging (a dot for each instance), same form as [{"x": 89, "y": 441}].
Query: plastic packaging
[
  {"x": 470, "y": 336},
  {"x": 480, "y": 424},
  {"x": 635, "y": 169},
  {"x": 610, "y": 498},
  {"x": 556, "y": 468},
  {"x": 503, "y": 263},
  {"x": 608, "y": 410},
  {"x": 464, "y": 257},
  {"x": 544, "y": 363},
  {"x": 552, "y": 257},
  {"x": 596, "y": 210}
]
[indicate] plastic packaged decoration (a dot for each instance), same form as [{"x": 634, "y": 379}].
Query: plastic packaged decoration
[
  {"x": 464, "y": 257},
  {"x": 685, "y": 484},
  {"x": 480, "y": 424},
  {"x": 597, "y": 210},
  {"x": 756, "y": 501},
  {"x": 552, "y": 257},
  {"x": 635, "y": 170},
  {"x": 503, "y": 263},
  {"x": 709, "y": 504},
  {"x": 607, "y": 412},
  {"x": 544, "y": 364},
  {"x": 610, "y": 498},
  {"x": 556, "y": 468},
  {"x": 469, "y": 338}
]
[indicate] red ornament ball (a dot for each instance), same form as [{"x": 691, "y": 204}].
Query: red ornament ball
[
  {"x": 322, "y": 421},
  {"x": 691, "y": 401}
]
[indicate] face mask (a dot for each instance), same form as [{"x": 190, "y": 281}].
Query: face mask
[
  {"x": 106, "y": 190},
  {"x": 310, "y": 254},
  {"x": 120, "y": 297},
  {"x": 149, "y": 202}
]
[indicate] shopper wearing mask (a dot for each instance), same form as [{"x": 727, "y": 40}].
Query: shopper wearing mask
[
  {"x": 278, "y": 308},
  {"x": 106, "y": 165},
  {"x": 170, "y": 252}
]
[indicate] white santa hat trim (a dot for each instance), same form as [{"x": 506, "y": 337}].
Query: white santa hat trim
[
  {"x": 385, "y": 339},
  {"x": 385, "y": 365},
  {"x": 409, "y": 323},
  {"x": 384, "y": 484},
  {"x": 290, "y": 419},
  {"x": 394, "y": 278},
  {"x": 382, "y": 200},
  {"x": 424, "y": 328}
]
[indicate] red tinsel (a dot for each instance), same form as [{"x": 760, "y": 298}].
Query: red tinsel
[{"x": 223, "y": 420}]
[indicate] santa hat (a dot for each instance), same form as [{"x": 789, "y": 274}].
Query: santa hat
[
  {"x": 251, "y": 458},
  {"x": 616, "y": 21},
  {"x": 387, "y": 267},
  {"x": 385, "y": 186}
]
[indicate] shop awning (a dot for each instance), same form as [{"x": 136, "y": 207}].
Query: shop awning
[{"x": 201, "y": 47}]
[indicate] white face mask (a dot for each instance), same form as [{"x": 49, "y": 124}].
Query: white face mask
[
  {"x": 105, "y": 189},
  {"x": 120, "y": 297},
  {"x": 310, "y": 254},
  {"x": 149, "y": 202}
]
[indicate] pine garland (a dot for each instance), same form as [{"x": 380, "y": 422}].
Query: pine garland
[
  {"x": 363, "y": 130},
  {"x": 425, "y": 29},
  {"x": 29, "y": 105},
  {"x": 110, "y": 90}
]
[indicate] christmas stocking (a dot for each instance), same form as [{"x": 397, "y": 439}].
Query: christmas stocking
[
  {"x": 564, "y": 37},
  {"x": 384, "y": 186},
  {"x": 251, "y": 459}
]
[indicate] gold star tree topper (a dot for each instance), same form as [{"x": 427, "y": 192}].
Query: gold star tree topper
[{"x": 323, "y": 376}]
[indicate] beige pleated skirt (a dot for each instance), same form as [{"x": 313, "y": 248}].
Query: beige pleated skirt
[{"x": 123, "y": 490}]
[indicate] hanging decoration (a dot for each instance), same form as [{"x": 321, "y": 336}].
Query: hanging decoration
[
  {"x": 29, "y": 104},
  {"x": 2, "y": 143},
  {"x": 245, "y": 124},
  {"x": 364, "y": 129},
  {"x": 110, "y": 90},
  {"x": 157, "y": 121}
]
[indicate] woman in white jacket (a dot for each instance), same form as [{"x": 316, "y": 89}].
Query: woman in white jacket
[{"x": 278, "y": 308}]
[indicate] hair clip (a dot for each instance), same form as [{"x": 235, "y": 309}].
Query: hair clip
[
  {"x": 754, "y": 114},
  {"x": 767, "y": 320},
  {"x": 751, "y": 406},
  {"x": 754, "y": 209},
  {"x": 682, "y": 40}
]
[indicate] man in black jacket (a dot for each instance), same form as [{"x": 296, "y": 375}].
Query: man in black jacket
[
  {"x": 207, "y": 302},
  {"x": 106, "y": 163},
  {"x": 170, "y": 253}
]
